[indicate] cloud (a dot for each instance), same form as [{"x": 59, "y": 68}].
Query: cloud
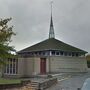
[{"x": 31, "y": 19}]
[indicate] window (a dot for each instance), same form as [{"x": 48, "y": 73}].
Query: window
[
  {"x": 73, "y": 54},
  {"x": 77, "y": 55},
  {"x": 70, "y": 54},
  {"x": 53, "y": 52},
  {"x": 43, "y": 53},
  {"x": 65, "y": 53},
  {"x": 35, "y": 53},
  {"x": 31, "y": 53},
  {"x": 57, "y": 53},
  {"x": 47, "y": 53},
  {"x": 39, "y": 53},
  {"x": 61, "y": 53},
  {"x": 11, "y": 67}
]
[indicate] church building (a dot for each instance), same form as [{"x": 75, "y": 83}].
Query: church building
[{"x": 48, "y": 56}]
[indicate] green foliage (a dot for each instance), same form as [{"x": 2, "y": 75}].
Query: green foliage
[
  {"x": 5, "y": 31},
  {"x": 5, "y": 38},
  {"x": 88, "y": 64},
  {"x": 88, "y": 57}
]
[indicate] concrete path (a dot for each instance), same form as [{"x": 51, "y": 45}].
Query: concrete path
[{"x": 71, "y": 83}]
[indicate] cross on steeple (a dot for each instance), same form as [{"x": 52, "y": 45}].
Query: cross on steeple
[{"x": 51, "y": 31}]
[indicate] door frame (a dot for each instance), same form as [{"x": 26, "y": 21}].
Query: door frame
[{"x": 42, "y": 65}]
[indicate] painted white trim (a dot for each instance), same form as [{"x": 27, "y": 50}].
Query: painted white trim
[{"x": 10, "y": 61}]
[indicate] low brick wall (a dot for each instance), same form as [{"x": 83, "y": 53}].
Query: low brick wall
[{"x": 47, "y": 83}]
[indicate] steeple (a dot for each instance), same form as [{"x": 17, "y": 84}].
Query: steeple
[{"x": 51, "y": 31}]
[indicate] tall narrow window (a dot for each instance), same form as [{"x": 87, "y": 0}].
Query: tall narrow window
[{"x": 11, "y": 67}]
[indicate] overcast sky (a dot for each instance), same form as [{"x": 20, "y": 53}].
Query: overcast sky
[{"x": 31, "y": 21}]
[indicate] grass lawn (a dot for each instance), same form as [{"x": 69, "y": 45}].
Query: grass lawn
[{"x": 9, "y": 81}]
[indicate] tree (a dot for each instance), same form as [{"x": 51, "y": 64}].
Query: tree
[
  {"x": 88, "y": 60},
  {"x": 5, "y": 38}
]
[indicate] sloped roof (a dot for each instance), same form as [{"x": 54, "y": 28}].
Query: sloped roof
[{"x": 52, "y": 44}]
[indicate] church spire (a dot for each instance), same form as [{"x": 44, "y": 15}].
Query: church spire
[{"x": 51, "y": 31}]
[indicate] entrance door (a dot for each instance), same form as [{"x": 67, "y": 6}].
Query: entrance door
[{"x": 43, "y": 65}]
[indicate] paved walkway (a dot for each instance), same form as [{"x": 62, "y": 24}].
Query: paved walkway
[{"x": 71, "y": 83}]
